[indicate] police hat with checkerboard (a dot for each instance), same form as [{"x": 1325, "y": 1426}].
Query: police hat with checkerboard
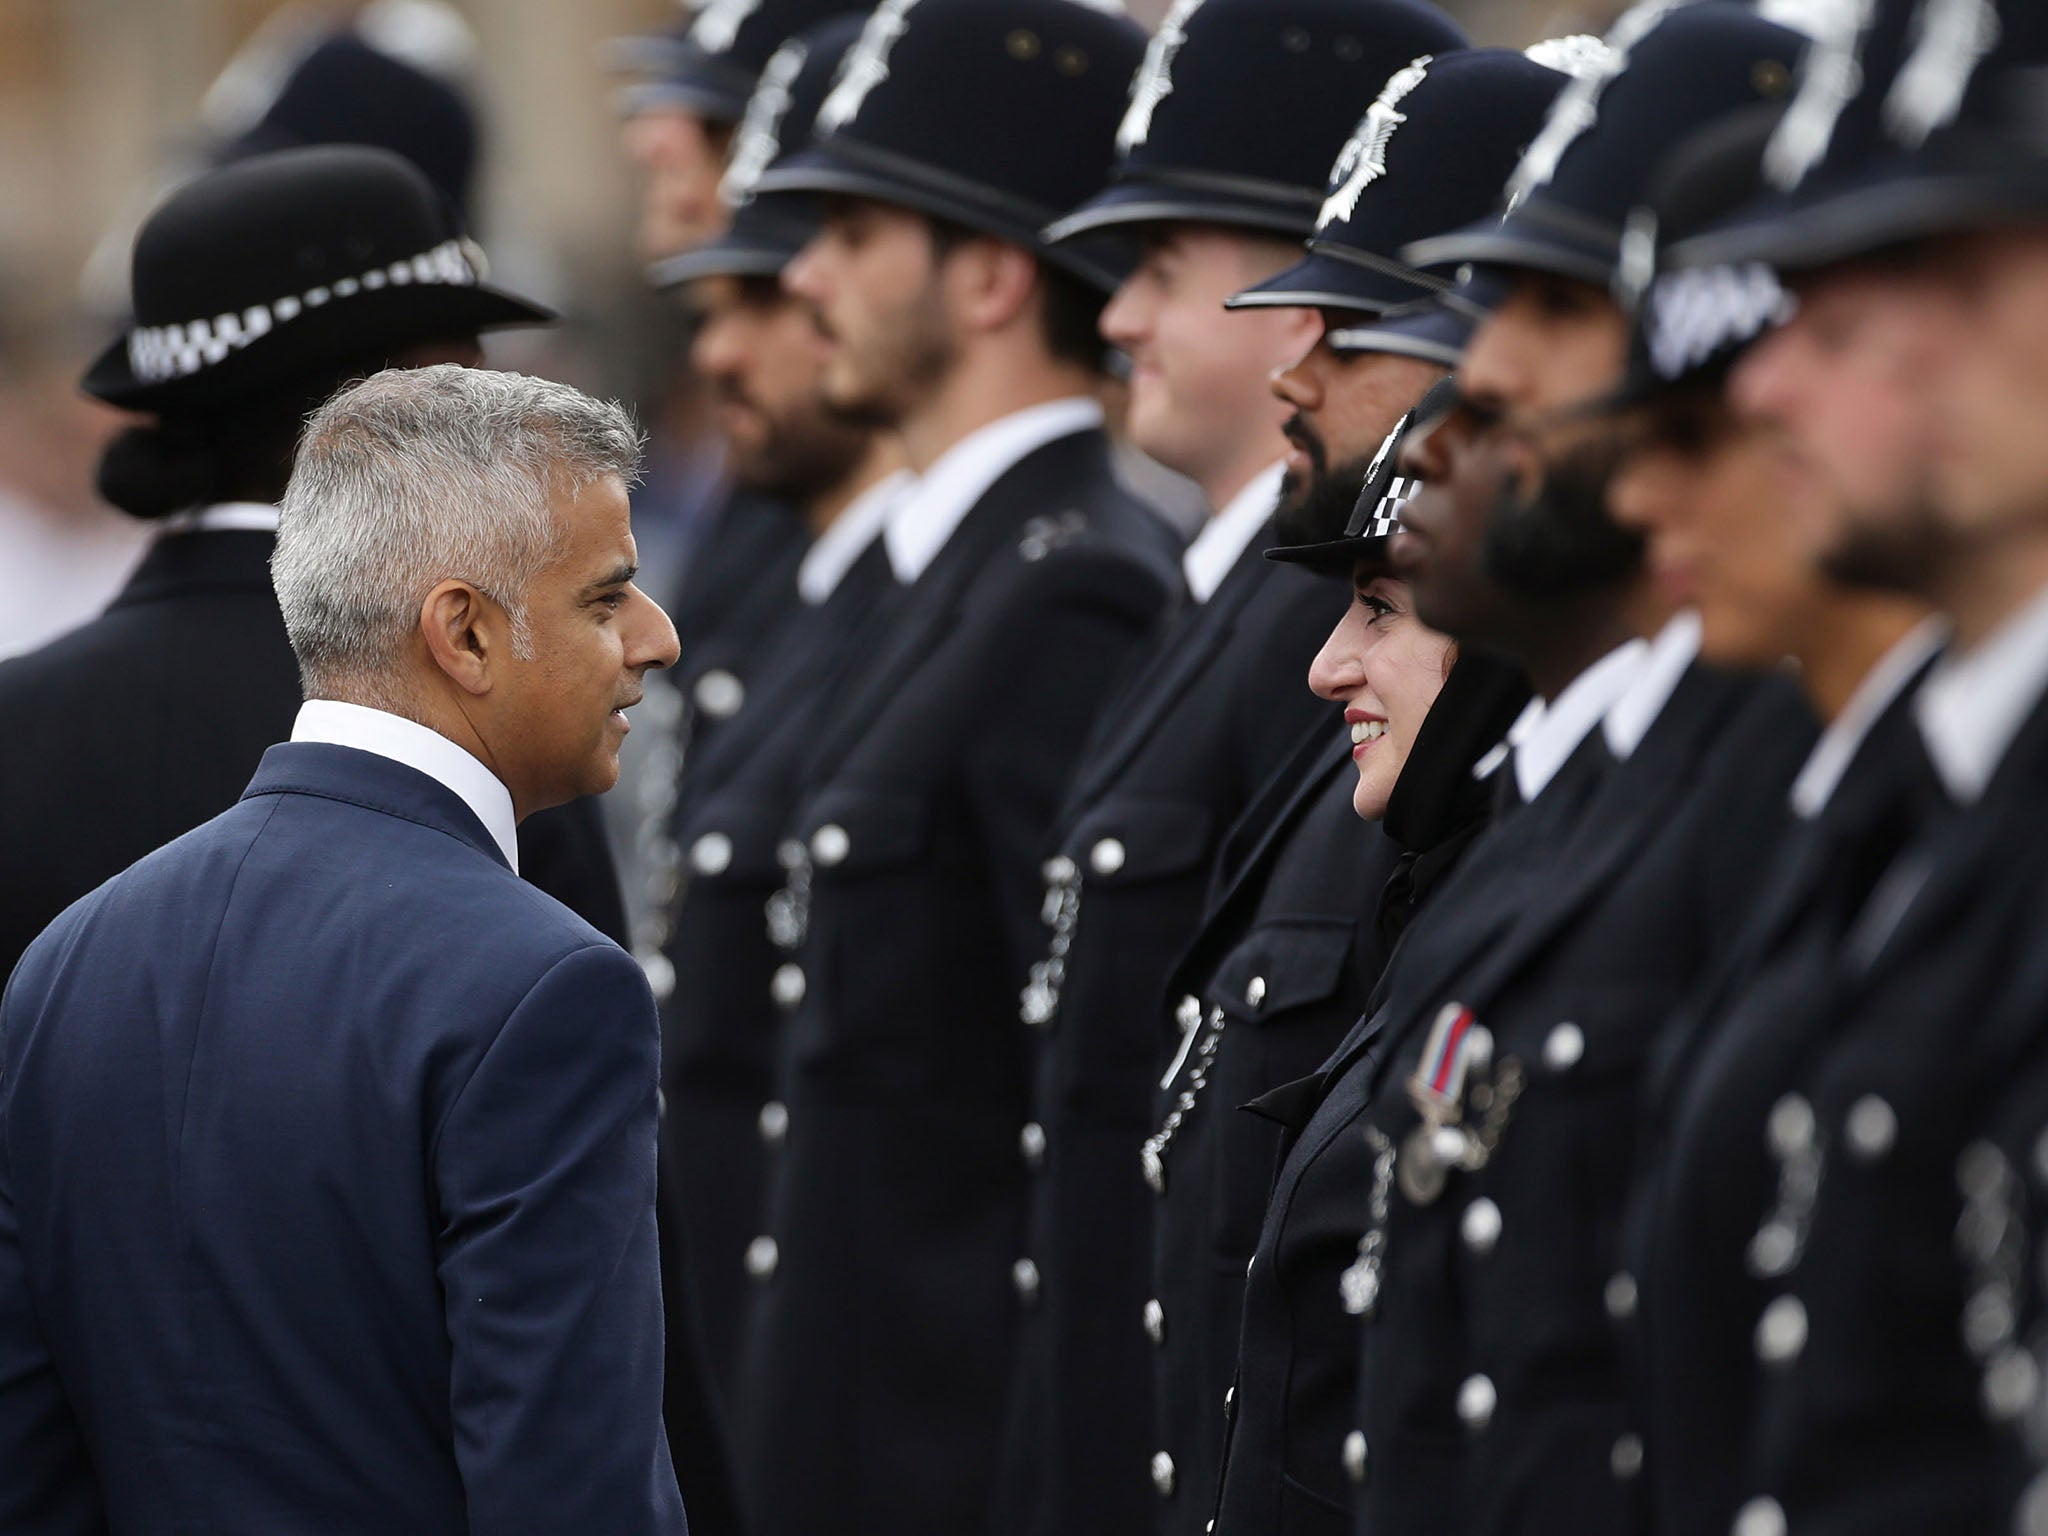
[
  {"x": 1430, "y": 154},
  {"x": 1199, "y": 139},
  {"x": 710, "y": 63},
  {"x": 271, "y": 270},
  {"x": 998, "y": 115},
  {"x": 766, "y": 232},
  {"x": 1672, "y": 68},
  {"x": 1377, "y": 516},
  {"x": 1912, "y": 118}
]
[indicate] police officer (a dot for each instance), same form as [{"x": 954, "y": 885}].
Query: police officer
[
  {"x": 1291, "y": 941},
  {"x": 1207, "y": 713},
  {"x": 760, "y": 355},
  {"x": 1892, "y": 1244},
  {"x": 259, "y": 289},
  {"x": 881, "y": 1346},
  {"x": 1730, "y": 510}
]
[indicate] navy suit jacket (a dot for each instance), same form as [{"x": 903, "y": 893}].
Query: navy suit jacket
[{"x": 327, "y": 1155}]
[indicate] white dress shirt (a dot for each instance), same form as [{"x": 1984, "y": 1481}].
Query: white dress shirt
[
  {"x": 1676, "y": 647},
  {"x": 1972, "y": 706},
  {"x": 924, "y": 520},
  {"x": 1226, "y": 536},
  {"x": 223, "y": 517},
  {"x": 428, "y": 751},
  {"x": 1545, "y": 736},
  {"x": 859, "y": 523},
  {"x": 1843, "y": 739}
]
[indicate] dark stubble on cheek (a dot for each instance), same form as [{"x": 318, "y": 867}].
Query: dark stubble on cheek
[
  {"x": 1559, "y": 539},
  {"x": 1891, "y": 549},
  {"x": 908, "y": 357},
  {"x": 1319, "y": 511}
]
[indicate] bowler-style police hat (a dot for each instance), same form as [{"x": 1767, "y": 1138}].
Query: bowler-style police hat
[
  {"x": 266, "y": 271},
  {"x": 998, "y": 115},
  {"x": 1690, "y": 322},
  {"x": 1188, "y": 150},
  {"x": 1430, "y": 154},
  {"x": 1377, "y": 516},
  {"x": 766, "y": 232},
  {"x": 1673, "y": 67},
  {"x": 1912, "y": 118},
  {"x": 710, "y": 64}
]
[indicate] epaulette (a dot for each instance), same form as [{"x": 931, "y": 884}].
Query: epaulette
[{"x": 1043, "y": 535}]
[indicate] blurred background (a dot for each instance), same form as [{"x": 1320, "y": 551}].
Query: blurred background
[{"x": 106, "y": 104}]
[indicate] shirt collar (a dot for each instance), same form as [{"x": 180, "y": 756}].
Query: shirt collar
[
  {"x": 859, "y": 523},
  {"x": 427, "y": 751},
  {"x": 1973, "y": 705},
  {"x": 1552, "y": 735},
  {"x": 1676, "y": 648},
  {"x": 924, "y": 520},
  {"x": 1226, "y": 536},
  {"x": 222, "y": 517},
  {"x": 1844, "y": 737}
]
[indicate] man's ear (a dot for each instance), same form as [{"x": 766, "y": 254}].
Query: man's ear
[
  {"x": 463, "y": 630},
  {"x": 993, "y": 282}
]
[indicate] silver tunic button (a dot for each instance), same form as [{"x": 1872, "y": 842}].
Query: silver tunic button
[
  {"x": 719, "y": 694},
  {"x": 763, "y": 1255},
  {"x": 1759, "y": 1517},
  {"x": 1162, "y": 1474},
  {"x": 1031, "y": 1143},
  {"x": 1620, "y": 1296},
  {"x": 1626, "y": 1459},
  {"x": 1476, "y": 1400},
  {"x": 787, "y": 985},
  {"x": 1155, "y": 1321},
  {"x": 1790, "y": 1127},
  {"x": 1981, "y": 1171},
  {"x": 1024, "y": 1276},
  {"x": 711, "y": 854},
  {"x": 791, "y": 854},
  {"x": 1781, "y": 1331},
  {"x": 1106, "y": 857},
  {"x": 660, "y": 972},
  {"x": 1189, "y": 1013},
  {"x": 1480, "y": 1225},
  {"x": 1059, "y": 870},
  {"x": 1988, "y": 1320},
  {"x": 1563, "y": 1047},
  {"x": 1255, "y": 991},
  {"x": 2012, "y": 1382},
  {"x": 830, "y": 845},
  {"x": 1354, "y": 1455},
  {"x": 773, "y": 1122},
  {"x": 1871, "y": 1128}
]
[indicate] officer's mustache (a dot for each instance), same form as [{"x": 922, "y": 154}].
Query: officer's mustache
[{"x": 1301, "y": 432}]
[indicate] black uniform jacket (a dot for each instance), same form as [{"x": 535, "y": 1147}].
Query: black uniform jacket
[
  {"x": 1297, "y": 1352},
  {"x": 1891, "y": 1339},
  {"x": 738, "y": 588},
  {"x": 1285, "y": 959},
  {"x": 719, "y": 1022},
  {"x": 881, "y": 1345},
  {"x": 1708, "y": 1175},
  {"x": 1218, "y": 700},
  {"x": 134, "y": 728},
  {"x": 1491, "y": 1372}
]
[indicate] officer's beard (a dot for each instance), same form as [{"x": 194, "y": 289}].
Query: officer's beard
[
  {"x": 905, "y": 362},
  {"x": 1321, "y": 510},
  {"x": 1559, "y": 539},
  {"x": 1896, "y": 550}
]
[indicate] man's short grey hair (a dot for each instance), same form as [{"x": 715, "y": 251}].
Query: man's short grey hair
[{"x": 415, "y": 476}]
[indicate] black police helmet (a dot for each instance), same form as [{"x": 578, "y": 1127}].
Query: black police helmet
[
  {"x": 1187, "y": 149},
  {"x": 994, "y": 114},
  {"x": 1674, "y": 67},
  {"x": 1428, "y": 156},
  {"x": 766, "y": 232},
  {"x": 285, "y": 265},
  {"x": 711, "y": 63}
]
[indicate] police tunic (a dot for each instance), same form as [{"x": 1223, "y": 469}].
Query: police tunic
[
  {"x": 1701, "y": 1269},
  {"x": 890, "y": 1280},
  {"x": 1502, "y": 1137},
  {"x": 1187, "y": 739}
]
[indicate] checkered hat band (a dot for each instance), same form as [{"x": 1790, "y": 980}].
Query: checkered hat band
[
  {"x": 160, "y": 352},
  {"x": 1386, "y": 517}
]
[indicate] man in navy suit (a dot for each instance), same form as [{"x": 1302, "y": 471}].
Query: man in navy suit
[{"x": 327, "y": 1146}]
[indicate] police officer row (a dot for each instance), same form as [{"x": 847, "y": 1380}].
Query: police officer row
[{"x": 1514, "y": 1013}]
